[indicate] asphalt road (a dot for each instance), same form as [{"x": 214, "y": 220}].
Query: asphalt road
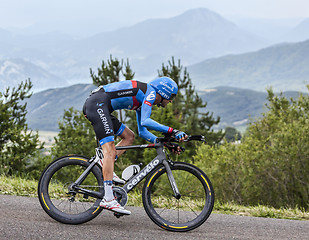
[{"x": 23, "y": 218}]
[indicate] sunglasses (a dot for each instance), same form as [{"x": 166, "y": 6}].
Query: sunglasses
[{"x": 173, "y": 96}]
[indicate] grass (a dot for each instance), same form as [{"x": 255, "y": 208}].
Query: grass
[
  {"x": 261, "y": 211},
  {"x": 18, "y": 186},
  {"x": 21, "y": 187}
]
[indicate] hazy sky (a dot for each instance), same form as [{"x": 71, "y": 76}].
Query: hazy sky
[{"x": 71, "y": 15}]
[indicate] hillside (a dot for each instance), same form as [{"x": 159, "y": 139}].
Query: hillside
[
  {"x": 284, "y": 67},
  {"x": 46, "y": 108},
  {"x": 233, "y": 105},
  {"x": 13, "y": 71},
  {"x": 236, "y": 106},
  {"x": 299, "y": 33}
]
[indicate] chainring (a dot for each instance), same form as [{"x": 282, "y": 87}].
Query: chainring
[{"x": 120, "y": 195}]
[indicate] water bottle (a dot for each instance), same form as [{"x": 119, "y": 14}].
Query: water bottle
[{"x": 130, "y": 171}]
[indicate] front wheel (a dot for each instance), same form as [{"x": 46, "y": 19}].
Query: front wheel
[
  {"x": 188, "y": 212},
  {"x": 63, "y": 202}
]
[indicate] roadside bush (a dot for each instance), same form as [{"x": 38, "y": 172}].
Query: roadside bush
[{"x": 271, "y": 164}]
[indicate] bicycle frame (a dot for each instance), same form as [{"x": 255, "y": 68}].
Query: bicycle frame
[{"x": 160, "y": 159}]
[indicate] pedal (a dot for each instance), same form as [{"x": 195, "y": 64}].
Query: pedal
[{"x": 118, "y": 215}]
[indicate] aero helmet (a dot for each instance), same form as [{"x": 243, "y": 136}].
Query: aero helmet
[{"x": 165, "y": 86}]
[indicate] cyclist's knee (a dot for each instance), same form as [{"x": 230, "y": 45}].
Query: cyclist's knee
[
  {"x": 128, "y": 135},
  {"x": 131, "y": 137},
  {"x": 109, "y": 150}
]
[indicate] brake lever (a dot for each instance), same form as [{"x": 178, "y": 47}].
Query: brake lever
[
  {"x": 169, "y": 138},
  {"x": 196, "y": 138}
]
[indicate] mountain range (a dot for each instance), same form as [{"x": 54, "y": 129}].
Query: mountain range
[
  {"x": 216, "y": 51},
  {"x": 299, "y": 33},
  {"x": 13, "y": 71},
  {"x": 283, "y": 67},
  {"x": 45, "y": 108},
  {"x": 236, "y": 106},
  {"x": 193, "y": 36}
]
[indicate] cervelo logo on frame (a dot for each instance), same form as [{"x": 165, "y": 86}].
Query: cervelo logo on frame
[
  {"x": 143, "y": 174},
  {"x": 151, "y": 96}
]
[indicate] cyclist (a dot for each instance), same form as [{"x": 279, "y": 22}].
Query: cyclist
[{"x": 134, "y": 95}]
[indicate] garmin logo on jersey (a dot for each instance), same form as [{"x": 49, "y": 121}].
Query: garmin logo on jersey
[
  {"x": 130, "y": 92},
  {"x": 104, "y": 121},
  {"x": 143, "y": 174}
]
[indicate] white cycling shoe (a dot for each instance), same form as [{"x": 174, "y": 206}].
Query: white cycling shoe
[
  {"x": 117, "y": 179},
  {"x": 114, "y": 206}
]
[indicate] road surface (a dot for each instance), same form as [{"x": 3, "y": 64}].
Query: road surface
[{"x": 23, "y": 218}]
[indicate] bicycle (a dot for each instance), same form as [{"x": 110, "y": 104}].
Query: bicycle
[{"x": 177, "y": 196}]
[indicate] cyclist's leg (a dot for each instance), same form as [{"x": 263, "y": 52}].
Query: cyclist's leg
[
  {"x": 109, "y": 152},
  {"x": 109, "y": 202},
  {"x": 97, "y": 110},
  {"x": 126, "y": 134},
  {"x": 127, "y": 139}
]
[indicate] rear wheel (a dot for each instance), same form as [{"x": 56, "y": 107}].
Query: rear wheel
[
  {"x": 188, "y": 212},
  {"x": 61, "y": 200}
]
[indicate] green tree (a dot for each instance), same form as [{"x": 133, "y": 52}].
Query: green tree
[
  {"x": 76, "y": 135},
  {"x": 231, "y": 134},
  {"x": 271, "y": 164},
  {"x": 18, "y": 143},
  {"x": 109, "y": 72}
]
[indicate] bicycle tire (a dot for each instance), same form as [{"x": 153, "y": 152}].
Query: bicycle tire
[
  {"x": 61, "y": 205},
  {"x": 172, "y": 214}
]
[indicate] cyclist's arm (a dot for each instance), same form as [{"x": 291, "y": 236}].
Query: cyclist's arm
[
  {"x": 142, "y": 131},
  {"x": 147, "y": 122}
]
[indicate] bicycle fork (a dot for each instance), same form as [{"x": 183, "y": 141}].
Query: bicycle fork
[
  {"x": 171, "y": 179},
  {"x": 167, "y": 162}
]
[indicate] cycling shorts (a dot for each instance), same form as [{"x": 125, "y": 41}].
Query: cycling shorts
[{"x": 97, "y": 109}]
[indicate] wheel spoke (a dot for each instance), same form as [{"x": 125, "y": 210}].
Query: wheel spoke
[
  {"x": 192, "y": 210},
  {"x": 56, "y": 185},
  {"x": 185, "y": 213}
]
